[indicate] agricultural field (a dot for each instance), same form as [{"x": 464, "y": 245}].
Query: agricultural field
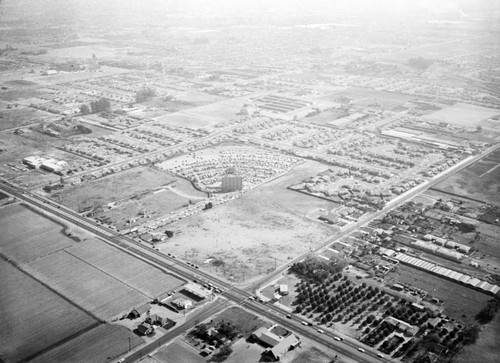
[
  {"x": 247, "y": 236},
  {"x": 479, "y": 181},
  {"x": 100, "y": 344},
  {"x": 144, "y": 278},
  {"x": 27, "y": 235},
  {"x": 34, "y": 318},
  {"x": 87, "y": 286}
]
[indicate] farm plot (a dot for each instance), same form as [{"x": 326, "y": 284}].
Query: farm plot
[
  {"x": 33, "y": 317},
  {"x": 97, "y": 345},
  {"x": 26, "y": 235},
  {"x": 92, "y": 289},
  {"x": 144, "y": 278}
]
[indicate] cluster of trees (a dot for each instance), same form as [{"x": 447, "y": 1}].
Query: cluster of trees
[
  {"x": 314, "y": 269},
  {"x": 101, "y": 105},
  {"x": 489, "y": 311},
  {"x": 145, "y": 94}
]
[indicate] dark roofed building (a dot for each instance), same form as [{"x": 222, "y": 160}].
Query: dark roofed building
[
  {"x": 145, "y": 329},
  {"x": 137, "y": 312}
]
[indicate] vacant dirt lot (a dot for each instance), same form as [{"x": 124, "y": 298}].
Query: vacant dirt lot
[
  {"x": 267, "y": 227},
  {"x": 116, "y": 187}
]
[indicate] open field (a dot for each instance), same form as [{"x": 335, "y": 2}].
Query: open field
[
  {"x": 84, "y": 51},
  {"x": 217, "y": 112},
  {"x": 157, "y": 203},
  {"x": 85, "y": 285},
  {"x": 34, "y": 318},
  {"x": 479, "y": 181},
  {"x": 142, "y": 277},
  {"x": 183, "y": 120},
  {"x": 252, "y": 235},
  {"x": 20, "y": 117},
  {"x": 198, "y": 98},
  {"x": 463, "y": 114},
  {"x": 486, "y": 349},
  {"x": 460, "y": 302},
  {"x": 367, "y": 96},
  {"x": 97, "y": 345},
  {"x": 27, "y": 235},
  {"x": 115, "y": 187}
]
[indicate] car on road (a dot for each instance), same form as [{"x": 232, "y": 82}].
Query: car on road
[
  {"x": 303, "y": 323},
  {"x": 361, "y": 350},
  {"x": 339, "y": 339},
  {"x": 288, "y": 316},
  {"x": 321, "y": 331},
  {"x": 380, "y": 355}
]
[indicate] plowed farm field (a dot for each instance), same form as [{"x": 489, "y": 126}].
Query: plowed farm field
[{"x": 34, "y": 318}]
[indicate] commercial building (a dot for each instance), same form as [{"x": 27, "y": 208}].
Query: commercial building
[{"x": 231, "y": 182}]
